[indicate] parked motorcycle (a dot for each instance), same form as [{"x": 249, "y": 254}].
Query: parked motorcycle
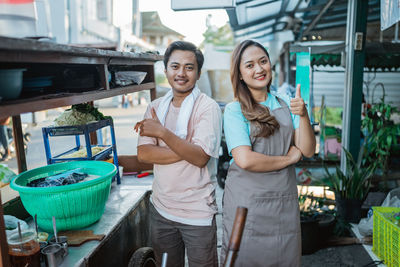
[
  {"x": 224, "y": 157},
  {"x": 11, "y": 145}
]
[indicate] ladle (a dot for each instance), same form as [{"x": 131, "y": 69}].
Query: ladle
[
  {"x": 20, "y": 236},
  {"x": 55, "y": 229},
  {"x": 36, "y": 228}
]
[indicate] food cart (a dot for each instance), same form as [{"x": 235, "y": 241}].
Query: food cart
[{"x": 124, "y": 223}]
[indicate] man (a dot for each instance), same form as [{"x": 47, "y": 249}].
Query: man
[
  {"x": 181, "y": 135},
  {"x": 4, "y": 121}
]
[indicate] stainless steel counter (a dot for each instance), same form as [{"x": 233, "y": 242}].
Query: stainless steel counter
[{"x": 124, "y": 224}]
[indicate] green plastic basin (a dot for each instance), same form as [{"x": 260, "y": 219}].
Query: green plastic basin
[{"x": 74, "y": 206}]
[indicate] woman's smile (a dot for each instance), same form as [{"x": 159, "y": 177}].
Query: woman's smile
[{"x": 260, "y": 77}]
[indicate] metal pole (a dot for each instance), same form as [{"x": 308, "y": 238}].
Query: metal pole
[
  {"x": 357, "y": 13},
  {"x": 311, "y": 93},
  {"x": 348, "y": 86}
]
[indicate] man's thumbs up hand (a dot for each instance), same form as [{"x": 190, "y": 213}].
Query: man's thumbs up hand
[{"x": 150, "y": 127}]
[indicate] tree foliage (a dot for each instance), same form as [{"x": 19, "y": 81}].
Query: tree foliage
[{"x": 222, "y": 36}]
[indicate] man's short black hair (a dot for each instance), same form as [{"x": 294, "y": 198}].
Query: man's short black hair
[{"x": 185, "y": 46}]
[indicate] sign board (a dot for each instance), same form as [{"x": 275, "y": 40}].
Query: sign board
[
  {"x": 303, "y": 77},
  {"x": 179, "y": 5}
]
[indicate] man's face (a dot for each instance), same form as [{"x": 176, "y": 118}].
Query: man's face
[{"x": 182, "y": 71}]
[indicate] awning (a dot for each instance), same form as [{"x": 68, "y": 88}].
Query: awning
[{"x": 383, "y": 56}]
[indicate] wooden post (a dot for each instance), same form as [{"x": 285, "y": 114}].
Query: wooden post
[
  {"x": 19, "y": 143},
  {"x": 93, "y": 135},
  {"x": 151, "y": 77},
  {"x": 236, "y": 236},
  {"x": 103, "y": 73},
  {"x": 4, "y": 258}
]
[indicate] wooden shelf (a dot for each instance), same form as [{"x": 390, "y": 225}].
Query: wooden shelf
[
  {"x": 41, "y": 59},
  {"x": 32, "y": 51},
  {"x": 12, "y": 108}
]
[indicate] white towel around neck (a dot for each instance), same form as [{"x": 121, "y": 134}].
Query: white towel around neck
[{"x": 184, "y": 112}]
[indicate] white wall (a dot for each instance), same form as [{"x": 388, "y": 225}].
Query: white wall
[
  {"x": 331, "y": 84},
  {"x": 122, "y": 14},
  {"x": 59, "y": 21}
]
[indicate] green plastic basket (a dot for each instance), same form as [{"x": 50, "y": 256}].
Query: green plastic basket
[
  {"x": 386, "y": 236},
  {"x": 74, "y": 206}
]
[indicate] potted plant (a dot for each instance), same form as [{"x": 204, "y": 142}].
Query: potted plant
[
  {"x": 381, "y": 135},
  {"x": 317, "y": 222},
  {"x": 350, "y": 188}
]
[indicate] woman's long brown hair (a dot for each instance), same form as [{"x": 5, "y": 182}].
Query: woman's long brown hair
[{"x": 257, "y": 114}]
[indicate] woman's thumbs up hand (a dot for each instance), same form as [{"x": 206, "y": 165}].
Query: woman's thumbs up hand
[{"x": 297, "y": 105}]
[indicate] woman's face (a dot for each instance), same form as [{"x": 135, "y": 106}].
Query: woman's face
[{"x": 255, "y": 68}]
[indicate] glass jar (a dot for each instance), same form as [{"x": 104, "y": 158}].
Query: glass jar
[{"x": 24, "y": 250}]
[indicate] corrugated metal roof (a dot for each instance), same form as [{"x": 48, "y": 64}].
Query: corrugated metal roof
[
  {"x": 260, "y": 19},
  {"x": 331, "y": 85}
]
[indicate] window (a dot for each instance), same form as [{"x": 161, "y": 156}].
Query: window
[{"x": 102, "y": 10}]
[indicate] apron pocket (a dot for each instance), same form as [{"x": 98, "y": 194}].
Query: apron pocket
[{"x": 275, "y": 215}]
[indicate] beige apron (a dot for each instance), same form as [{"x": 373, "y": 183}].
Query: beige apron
[{"x": 272, "y": 235}]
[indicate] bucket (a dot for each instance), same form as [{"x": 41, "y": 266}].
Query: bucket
[{"x": 10, "y": 83}]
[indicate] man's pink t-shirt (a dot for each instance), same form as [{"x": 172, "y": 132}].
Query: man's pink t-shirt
[{"x": 182, "y": 191}]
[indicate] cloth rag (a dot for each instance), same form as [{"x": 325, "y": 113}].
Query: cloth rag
[{"x": 184, "y": 112}]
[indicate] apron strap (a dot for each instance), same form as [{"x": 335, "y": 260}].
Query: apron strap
[{"x": 283, "y": 106}]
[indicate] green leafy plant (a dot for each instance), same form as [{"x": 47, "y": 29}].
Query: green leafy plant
[
  {"x": 354, "y": 184},
  {"x": 342, "y": 228},
  {"x": 311, "y": 206},
  {"x": 86, "y": 108},
  {"x": 381, "y": 135}
]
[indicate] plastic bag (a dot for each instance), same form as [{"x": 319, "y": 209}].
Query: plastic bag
[
  {"x": 365, "y": 227},
  {"x": 129, "y": 77},
  {"x": 392, "y": 199},
  {"x": 11, "y": 224},
  {"x": 6, "y": 175},
  {"x": 64, "y": 178}
]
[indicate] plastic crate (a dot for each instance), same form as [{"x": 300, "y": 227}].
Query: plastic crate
[
  {"x": 74, "y": 206},
  {"x": 386, "y": 235}
]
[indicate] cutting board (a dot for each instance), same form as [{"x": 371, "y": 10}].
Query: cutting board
[{"x": 78, "y": 237}]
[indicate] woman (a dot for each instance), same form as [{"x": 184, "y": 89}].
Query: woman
[{"x": 266, "y": 138}]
